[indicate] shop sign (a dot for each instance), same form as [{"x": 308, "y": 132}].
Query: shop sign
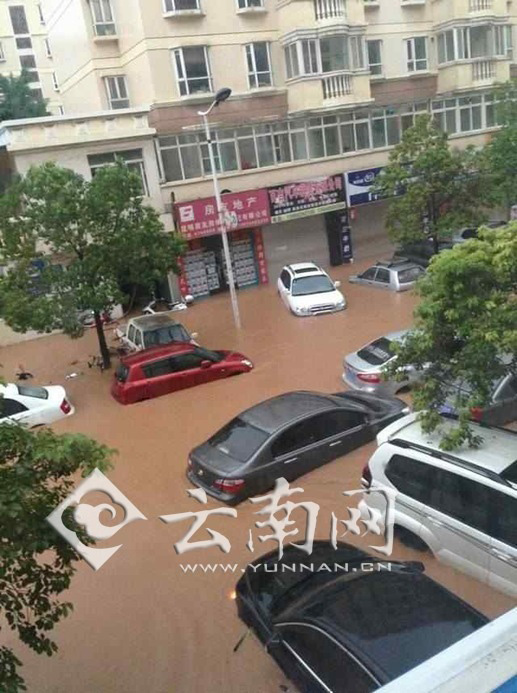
[
  {"x": 242, "y": 210},
  {"x": 358, "y": 186},
  {"x": 306, "y": 198}
]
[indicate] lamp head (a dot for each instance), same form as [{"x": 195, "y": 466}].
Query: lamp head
[{"x": 221, "y": 95}]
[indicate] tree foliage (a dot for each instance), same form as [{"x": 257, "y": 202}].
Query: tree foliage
[
  {"x": 500, "y": 154},
  {"x": 443, "y": 188},
  {"x": 465, "y": 327},
  {"x": 18, "y": 100},
  {"x": 36, "y": 474},
  {"x": 70, "y": 244}
]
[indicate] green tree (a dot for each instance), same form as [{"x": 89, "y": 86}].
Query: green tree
[
  {"x": 86, "y": 238},
  {"x": 36, "y": 474},
  {"x": 500, "y": 155},
  {"x": 18, "y": 100},
  {"x": 465, "y": 327},
  {"x": 443, "y": 188}
]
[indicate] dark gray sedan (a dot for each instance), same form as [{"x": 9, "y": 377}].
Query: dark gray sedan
[{"x": 287, "y": 436}]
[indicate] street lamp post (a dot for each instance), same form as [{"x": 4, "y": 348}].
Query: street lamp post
[{"x": 221, "y": 96}]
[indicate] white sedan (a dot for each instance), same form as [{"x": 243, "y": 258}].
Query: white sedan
[
  {"x": 306, "y": 289},
  {"x": 33, "y": 405}
]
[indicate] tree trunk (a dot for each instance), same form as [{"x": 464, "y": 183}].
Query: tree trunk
[{"x": 103, "y": 346}]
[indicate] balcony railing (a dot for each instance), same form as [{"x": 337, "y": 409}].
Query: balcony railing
[
  {"x": 330, "y": 9},
  {"x": 335, "y": 86},
  {"x": 483, "y": 70},
  {"x": 480, "y": 5}
]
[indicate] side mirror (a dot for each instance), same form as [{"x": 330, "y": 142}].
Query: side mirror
[
  {"x": 194, "y": 335},
  {"x": 206, "y": 364},
  {"x": 337, "y": 284}
]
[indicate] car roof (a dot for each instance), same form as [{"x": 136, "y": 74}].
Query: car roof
[
  {"x": 156, "y": 352},
  {"x": 151, "y": 322},
  {"x": 497, "y": 451},
  {"x": 396, "y": 336},
  {"x": 303, "y": 267},
  {"x": 274, "y": 413},
  {"x": 400, "y": 264},
  {"x": 391, "y": 619}
]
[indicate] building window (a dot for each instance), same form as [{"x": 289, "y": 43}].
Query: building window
[
  {"x": 61, "y": 110},
  {"x": 465, "y": 114},
  {"x": 180, "y": 5},
  {"x": 24, "y": 43},
  {"x": 259, "y": 65},
  {"x": 18, "y": 19},
  {"x": 192, "y": 70},
  {"x": 2, "y": 54},
  {"x": 133, "y": 158},
  {"x": 410, "y": 113},
  {"x": 55, "y": 82},
  {"x": 357, "y": 51},
  {"x": 467, "y": 43},
  {"x": 116, "y": 89},
  {"x": 41, "y": 15},
  {"x": 28, "y": 63},
  {"x": 245, "y": 4},
  {"x": 375, "y": 56},
  {"x": 48, "y": 50},
  {"x": 324, "y": 55},
  {"x": 103, "y": 17},
  {"x": 416, "y": 54}
]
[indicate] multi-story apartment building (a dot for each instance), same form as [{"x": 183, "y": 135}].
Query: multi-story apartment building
[
  {"x": 321, "y": 90},
  {"x": 24, "y": 44}
]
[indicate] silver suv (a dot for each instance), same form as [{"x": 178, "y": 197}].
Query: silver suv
[
  {"x": 395, "y": 275},
  {"x": 461, "y": 505}
]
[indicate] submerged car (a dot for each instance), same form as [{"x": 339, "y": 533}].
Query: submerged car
[
  {"x": 421, "y": 252},
  {"x": 33, "y": 405},
  {"x": 158, "y": 329},
  {"x": 287, "y": 436},
  {"x": 364, "y": 369},
  {"x": 343, "y": 621},
  {"x": 161, "y": 370},
  {"x": 394, "y": 275},
  {"x": 469, "y": 232},
  {"x": 306, "y": 290}
]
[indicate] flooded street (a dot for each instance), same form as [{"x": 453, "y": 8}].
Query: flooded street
[{"x": 141, "y": 623}]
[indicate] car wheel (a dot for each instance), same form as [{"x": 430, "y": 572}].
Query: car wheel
[{"x": 409, "y": 539}]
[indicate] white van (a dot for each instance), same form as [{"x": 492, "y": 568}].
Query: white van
[{"x": 462, "y": 504}]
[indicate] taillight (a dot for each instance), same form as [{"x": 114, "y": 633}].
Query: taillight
[
  {"x": 229, "y": 485},
  {"x": 65, "y": 406},
  {"x": 367, "y": 476},
  {"x": 476, "y": 413},
  {"x": 369, "y": 377}
]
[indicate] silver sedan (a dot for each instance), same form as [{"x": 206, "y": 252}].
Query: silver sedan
[{"x": 363, "y": 369}]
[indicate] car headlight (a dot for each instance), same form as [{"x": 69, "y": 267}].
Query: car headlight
[
  {"x": 302, "y": 310},
  {"x": 340, "y": 304},
  {"x": 247, "y": 362}
]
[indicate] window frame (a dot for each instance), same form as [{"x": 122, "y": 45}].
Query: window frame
[
  {"x": 117, "y": 81},
  {"x": 245, "y": 4},
  {"x": 178, "y": 60},
  {"x": 375, "y": 65},
  {"x": 174, "y": 10},
  {"x": 131, "y": 163},
  {"x": 411, "y": 57},
  {"x": 253, "y": 73},
  {"x": 11, "y": 9},
  {"x": 55, "y": 81},
  {"x": 103, "y": 21},
  {"x": 2, "y": 53}
]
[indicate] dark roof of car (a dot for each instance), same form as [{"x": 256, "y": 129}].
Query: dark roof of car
[
  {"x": 391, "y": 620},
  {"x": 397, "y": 264},
  {"x": 157, "y": 352},
  {"x": 274, "y": 413},
  {"x": 152, "y": 322}
]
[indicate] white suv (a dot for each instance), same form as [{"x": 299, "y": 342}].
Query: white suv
[
  {"x": 462, "y": 504},
  {"x": 307, "y": 290}
]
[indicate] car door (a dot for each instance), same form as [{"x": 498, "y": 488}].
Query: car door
[
  {"x": 284, "y": 286},
  {"x": 188, "y": 371},
  {"x": 412, "y": 479},
  {"x": 456, "y": 522},
  {"x": 382, "y": 278},
  {"x": 12, "y": 410},
  {"x": 159, "y": 377},
  {"x": 139, "y": 339},
  {"x": 368, "y": 277},
  {"x": 316, "y": 662},
  {"x": 503, "y": 549},
  {"x": 343, "y": 430}
]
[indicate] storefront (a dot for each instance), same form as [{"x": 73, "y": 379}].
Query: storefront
[{"x": 204, "y": 270}]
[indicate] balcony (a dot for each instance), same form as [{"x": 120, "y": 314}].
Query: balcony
[
  {"x": 464, "y": 75},
  {"x": 450, "y": 10},
  {"x": 483, "y": 71},
  {"x": 480, "y": 5},
  {"x": 329, "y": 9},
  {"x": 336, "y": 86}
]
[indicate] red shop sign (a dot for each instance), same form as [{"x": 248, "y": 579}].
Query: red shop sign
[{"x": 199, "y": 217}]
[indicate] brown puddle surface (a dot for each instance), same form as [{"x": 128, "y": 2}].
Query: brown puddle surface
[{"x": 140, "y": 623}]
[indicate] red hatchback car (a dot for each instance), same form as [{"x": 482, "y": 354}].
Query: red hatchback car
[{"x": 176, "y": 366}]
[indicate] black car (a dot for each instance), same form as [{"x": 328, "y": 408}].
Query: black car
[
  {"x": 420, "y": 252},
  {"x": 287, "y": 436},
  {"x": 354, "y": 626}
]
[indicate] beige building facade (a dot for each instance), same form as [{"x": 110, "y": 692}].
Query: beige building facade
[
  {"x": 320, "y": 88},
  {"x": 24, "y": 44}
]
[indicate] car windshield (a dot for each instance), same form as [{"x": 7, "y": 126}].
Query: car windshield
[
  {"x": 239, "y": 439},
  {"x": 410, "y": 275},
  {"x": 318, "y": 284},
  {"x": 378, "y": 352},
  {"x": 209, "y": 355},
  {"x": 510, "y": 473},
  {"x": 32, "y": 391},
  {"x": 165, "y": 335}
]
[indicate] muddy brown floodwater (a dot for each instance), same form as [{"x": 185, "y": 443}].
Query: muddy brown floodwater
[{"x": 140, "y": 623}]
